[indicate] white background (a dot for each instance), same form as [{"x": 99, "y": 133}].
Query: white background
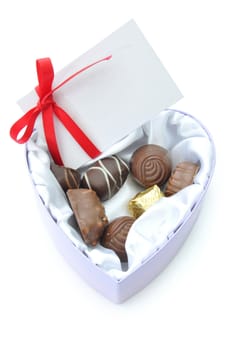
[{"x": 44, "y": 304}]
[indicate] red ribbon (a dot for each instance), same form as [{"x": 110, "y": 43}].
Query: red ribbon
[{"x": 49, "y": 108}]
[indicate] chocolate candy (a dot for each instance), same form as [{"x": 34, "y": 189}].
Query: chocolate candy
[
  {"x": 150, "y": 165},
  {"x": 144, "y": 200},
  {"x": 182, "y": 176},
  {"x": 67, "y": 177},
  {"x": 106, "y": 176},
  {"x": 115, "y": 236},
  {"x": 89, "y": 214}
]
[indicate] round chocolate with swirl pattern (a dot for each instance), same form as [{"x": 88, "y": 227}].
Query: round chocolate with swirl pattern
[
  {"x": 150, "y": 165},
  {"x": 115, "y": 235},
  {"x": 106, "y": 176}
]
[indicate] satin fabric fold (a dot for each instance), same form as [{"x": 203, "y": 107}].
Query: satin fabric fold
[{"x": 185, "y": 139}]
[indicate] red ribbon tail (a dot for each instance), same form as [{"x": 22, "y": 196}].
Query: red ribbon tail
[
  {"x": 50, "y": 135},
  {"x": 48, "y": 107},
  {"x": 76, "y": 132}
]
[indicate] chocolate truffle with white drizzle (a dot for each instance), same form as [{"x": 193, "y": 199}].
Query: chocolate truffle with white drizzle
[{"x": 106, "y": 176}]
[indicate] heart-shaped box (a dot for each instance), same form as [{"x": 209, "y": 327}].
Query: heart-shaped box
[{"x": 158, "y": 234}]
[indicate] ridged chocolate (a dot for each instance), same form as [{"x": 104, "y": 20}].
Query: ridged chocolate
[
  {"x": 115, "y": 235},
  {"x": 150, "y": 165},
  {"x": 181, "y": 177},
  {"x": 89, "y": 213},
  {"x": 67, "y": 177},
  {"x": 106, "y": 176}
]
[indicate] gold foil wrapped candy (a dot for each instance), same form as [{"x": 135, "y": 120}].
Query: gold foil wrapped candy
[{"x": 144, "y": 200}]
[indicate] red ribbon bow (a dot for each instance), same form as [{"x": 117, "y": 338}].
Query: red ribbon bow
[{"x": 49, "y": 108}]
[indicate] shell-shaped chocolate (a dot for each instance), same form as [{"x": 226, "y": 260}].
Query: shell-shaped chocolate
[
  {"x": 67, "y": 177},
  {"x": 182, "y": 176},
  {"x": 106, "y": 176},
  {"x": 150, "y": 165},
  {"x": 115, "y": 235}
]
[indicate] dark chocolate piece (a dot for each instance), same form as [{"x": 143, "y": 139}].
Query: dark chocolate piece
[
  {"x": 115, "y": 236},
  {"x": 106, "y": 177},
  {"x": 181, "y": 177},
  {"x": 89, "y": 213},
  {"x": 150, "y": 165},
  {"x": 67, "y": 177}
]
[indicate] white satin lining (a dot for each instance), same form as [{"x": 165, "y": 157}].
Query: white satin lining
[{"x": 185, "y": 139}]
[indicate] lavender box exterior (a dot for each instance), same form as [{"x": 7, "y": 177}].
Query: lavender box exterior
[{"x": 119, "y": 291}]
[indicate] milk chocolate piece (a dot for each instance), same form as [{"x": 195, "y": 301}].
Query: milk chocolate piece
[
  {"x": 115, "y": 236},
  {"x": 67, "y": 177},
  {"x": 89, "y": 213},
  {"x": 150, "y": 165},
  {"x": 181, "y": 177},
  {"x": 144, "y": 200},
  {"x": 106, "y": 176}
]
